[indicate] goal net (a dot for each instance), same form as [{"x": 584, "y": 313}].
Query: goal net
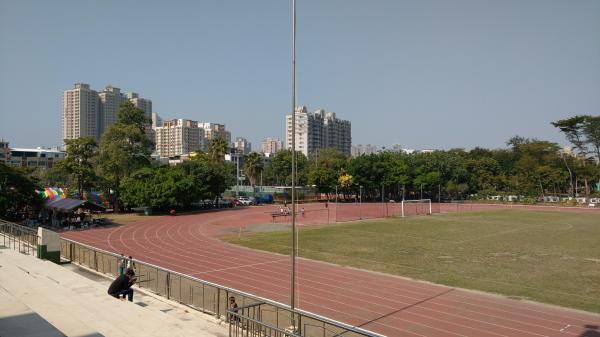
[{"x": 415, "y": 207}]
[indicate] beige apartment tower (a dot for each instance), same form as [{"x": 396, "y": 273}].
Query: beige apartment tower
[
  {"x": 87, "y": 112},
  {"x": 111, "y": 99},
  {"x": 178, "y": 137},
  {"x": 80, "y": 112},
  {"x": 271, "y": 145}
]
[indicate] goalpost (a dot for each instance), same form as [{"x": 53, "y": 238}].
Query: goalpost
[{"x": 418, "y": 201}]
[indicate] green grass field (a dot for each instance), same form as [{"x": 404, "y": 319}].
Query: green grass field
[{"x": 543, "y": 256}]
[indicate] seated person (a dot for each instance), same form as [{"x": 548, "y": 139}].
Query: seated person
[{"x": 122, "y": 285}]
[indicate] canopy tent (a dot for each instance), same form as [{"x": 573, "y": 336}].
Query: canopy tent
[
  {"x": 51, "y": 193},
  {"x": 95, "y": 197},
  {"x": 67, "y": 205}
]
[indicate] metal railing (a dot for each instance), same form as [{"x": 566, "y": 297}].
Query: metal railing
[
  {"x": 18, "y": 237},
  {"x": 247, "y": 321},
  {"x": 212, "y": 298}
]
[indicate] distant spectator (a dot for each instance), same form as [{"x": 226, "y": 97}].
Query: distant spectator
[
  {"x": 233, "y": 307},
  {"x": 302, "y": 211},
  {"x": 122, "y": 262},
  {"x": 122, "y": 285}
]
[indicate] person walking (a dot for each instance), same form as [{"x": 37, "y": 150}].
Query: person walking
[
  {"x": 122, "y": 262},
  {"x": 122, "y": 286},
  {"x": 302, "y": 211}
]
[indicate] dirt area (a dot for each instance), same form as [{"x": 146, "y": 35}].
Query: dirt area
[{"x": 124, "y": 218}]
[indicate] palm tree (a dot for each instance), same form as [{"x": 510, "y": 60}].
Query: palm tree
[
  {"x": 217, "y": 150},
  {"x": 253, "y": 167}
]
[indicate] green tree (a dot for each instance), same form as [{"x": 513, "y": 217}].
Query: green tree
[
  {"x": 17, "y": 191},
  {"x": 591, "y": 130},
  {"x": 79, "y": 161},
  {"x": 279, "y": 171},
  {"x": 253, "y": 167},
  {"x": 217, "y": 149},
  {"x": 325, "y": 168},
  {"x": 573, "y": 128},
  {"x": 485, "y": 174},
  {"x": 396, "y": 172},
  {"x": 124, "y": 148},
  {"x": 213, "y": 177}
]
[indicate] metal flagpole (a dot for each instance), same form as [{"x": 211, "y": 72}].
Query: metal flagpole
[{"x": 294, "y": 248}]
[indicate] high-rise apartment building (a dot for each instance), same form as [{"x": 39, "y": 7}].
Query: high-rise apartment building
[
  {"x": 87, "y": 112},
  {"x": 111, "y": 99},
  {"x": 214, "y": 130},
  {"x": 318, "y": 130},
  {"x": 242, "y": 145},
  {"x": 143, "y": 104},
  {"x": 81, "y": 112},
  {"x": 271, "y": 145},
  {"x": 178, "y": 137}
]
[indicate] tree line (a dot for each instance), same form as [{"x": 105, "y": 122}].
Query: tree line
[{"x": 120, "y": 165}]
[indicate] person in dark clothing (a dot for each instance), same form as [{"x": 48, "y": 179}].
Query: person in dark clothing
[
  {"x": 233, "y": 307},
  {"x": 122, "y": 285}
]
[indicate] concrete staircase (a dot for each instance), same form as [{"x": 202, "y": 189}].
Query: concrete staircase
[{"x": 40, "y": 298}]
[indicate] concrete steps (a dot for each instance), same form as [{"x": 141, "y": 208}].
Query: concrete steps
[{"x": 79, "y": 306}]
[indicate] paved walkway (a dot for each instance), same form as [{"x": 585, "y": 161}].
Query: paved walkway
[{"x": 39, "y": 298}]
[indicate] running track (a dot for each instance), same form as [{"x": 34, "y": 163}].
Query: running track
[{"x": 389, "y": 305}]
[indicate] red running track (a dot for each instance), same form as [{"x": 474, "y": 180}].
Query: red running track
[{"x": 385, "y": 304}]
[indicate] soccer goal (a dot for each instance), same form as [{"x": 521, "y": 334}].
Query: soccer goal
[{"x": 416, "y": 207}]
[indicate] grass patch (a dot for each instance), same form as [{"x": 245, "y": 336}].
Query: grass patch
[{"x": 543, "y": 256}]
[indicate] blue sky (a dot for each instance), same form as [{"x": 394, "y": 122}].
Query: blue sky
[{"x": 423, "y": 74}]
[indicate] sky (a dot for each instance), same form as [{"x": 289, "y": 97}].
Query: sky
[{"x": 422, "y": 74}]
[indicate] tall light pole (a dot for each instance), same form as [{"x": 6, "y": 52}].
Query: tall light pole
[
  {"x": 294, "y": 248},
  {"x": 237, "y": 174},
  {"x": 570, "y": 173},
  {"x": 360, "y": 202}
]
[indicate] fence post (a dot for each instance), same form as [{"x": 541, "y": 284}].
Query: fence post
[
  {"x": 218, "y": 311},
  {"x": 168, "y": 285}
]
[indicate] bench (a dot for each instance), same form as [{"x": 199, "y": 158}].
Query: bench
[{"x": 278, "y": 214}]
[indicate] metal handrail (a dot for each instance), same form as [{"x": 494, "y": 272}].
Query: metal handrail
[
  {"x": 21, "y": 236},
  {"x": 280, "y": 305},
  {"x": 234, "y": 313},
  {"x": 20, "y": 227}
]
